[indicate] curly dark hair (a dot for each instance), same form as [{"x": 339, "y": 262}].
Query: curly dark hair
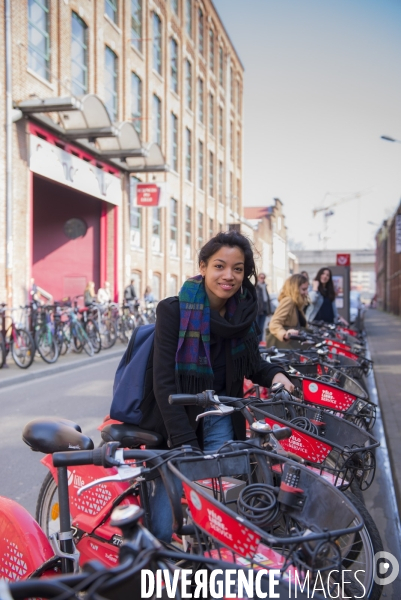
[
  {"x": 232, "y": 239},
  {"x": 329, "y": 290}
]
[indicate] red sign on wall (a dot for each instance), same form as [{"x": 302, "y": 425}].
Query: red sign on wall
[
  {"x": 147, "y": 194},
  {"x": 343, "y": 260}
]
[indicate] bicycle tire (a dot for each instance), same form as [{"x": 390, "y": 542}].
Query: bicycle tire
[
  {"x": 47, "y": 506},
  {"x": 84, "y": 340},
  {"x": 46, "y": 344},
  {"x": 108, "y": 333},
  {"x": 3, "y": 351},
  {"x": 93, "y": 335},
  {"x": 23, "y": 352}
]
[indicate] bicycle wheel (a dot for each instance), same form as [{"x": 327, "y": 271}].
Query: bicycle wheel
[
  {"x": 46, "y": 344},
  {"x": 22, "y": 348},
  {"x": 47, "y": 506},
  {"x": 94, "y": 335},
  {"x": 63, "y": 340},
  {"x": 83, "y": 340},
  {"x": 2, "y": 351},
  {"x": 108, "y": 333}
]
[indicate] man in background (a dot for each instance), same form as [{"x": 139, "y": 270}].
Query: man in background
[{"x": 264, "y": 309}]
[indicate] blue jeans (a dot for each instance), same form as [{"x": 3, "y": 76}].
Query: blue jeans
[{"x": 216, "y": 431}]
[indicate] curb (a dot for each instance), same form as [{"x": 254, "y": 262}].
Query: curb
[
  {"x": 28, "y": 375},
  {"x": 374, "y": 396}
]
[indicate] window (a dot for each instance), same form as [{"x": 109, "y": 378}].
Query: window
[
  {"x": 211, "y": 174},
  {"x": 172, "y": 285},
  {"x": 136, "y": 24},
  {"x": 38, "y": 37},
  {"x": 201, "y": 112},
  {"x": 211, "y": 228},
  {"x": 188, "y": 234},
  {"x": 238, "y": 149},
  {"x": 79, "y": 56},
  {"x": 174, "y": 6},
  {"x": 221, "y": 126},
  {"x": 157, "y": 44},
  {"x": 200, "y": 32},
  {"x": 136, "y": 226},
  {"x": 188, "y": 154},
  {"x": 238, "y": 194},
  {"x": 156, "y": 286},
  {"x": 173, "y": 227},
  {"x": 157, "y": 120},
  {"x": 174, "y": 65},
  {"x": 156, "y": 230},
  {"x": 174, "y": 142},
  {"x": 238, "y": 96},
  {"x": 188, "y": 17},
  {"x": 211, "y": 49},
  {"x": 221, "y": 66},
  {"x": 220, "y": 182},
  {"x": 111, "y": 10},
  {"x": 188, "y": 84},
  {"x": 136, "y": 102},
  {"x": 111, "y": 83},
  {"x": 211, "y": 114},
  {"x": 231, "y": 197},
  {"x": 200, "y": 166},
  {"x": 231, "y": 139},
  {"x": 200, "y": 230}
]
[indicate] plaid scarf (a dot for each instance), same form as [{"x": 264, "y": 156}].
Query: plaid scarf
[{"x": 194, "y": 371}]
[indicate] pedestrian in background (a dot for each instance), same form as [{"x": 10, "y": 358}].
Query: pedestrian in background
[
  {"x": 322, "y": 305},
  {"x": 148, "y": 296},
  {"x": 89, "y": 293},
  {"x": 289, "y": 315},
  {"x": 104, "y": 293},
  {"x": 264, "y": 308}
]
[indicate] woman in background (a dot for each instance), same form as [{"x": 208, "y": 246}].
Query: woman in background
[
  {"x": 289, "y": 315},
  {"x": 322, "y": 305}
]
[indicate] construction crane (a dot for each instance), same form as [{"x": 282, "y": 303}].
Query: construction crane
[{"x": 328, "y": 212}]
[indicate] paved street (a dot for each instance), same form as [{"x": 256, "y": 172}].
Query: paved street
[{"x": 82, "y": 395}]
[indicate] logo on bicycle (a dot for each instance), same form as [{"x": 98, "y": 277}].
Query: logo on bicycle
[
  {"x": 313, "y": 387},
  {"x": 196, "y": 501}
]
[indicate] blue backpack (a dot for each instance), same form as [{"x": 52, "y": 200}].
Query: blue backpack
[{"x": 133, "y": 381}]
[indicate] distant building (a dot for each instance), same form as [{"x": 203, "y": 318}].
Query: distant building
[
  {"x": 270, "y": 239},
  {"x": 388, "y": 264},
  {"x": 151, "y": 72}
]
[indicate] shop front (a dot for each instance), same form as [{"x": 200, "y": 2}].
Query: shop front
[{"x": 74, "y": 215}]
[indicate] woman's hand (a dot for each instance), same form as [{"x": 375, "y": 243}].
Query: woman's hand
[
  {"x": 344, "y": 321},
  {"x": 281, "y": 378},
  {"x": 315, "y": 285},
  {"x": 289, "y": 332}
]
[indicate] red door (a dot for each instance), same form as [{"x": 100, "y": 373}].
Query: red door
[{"x": 62, "y": 265}]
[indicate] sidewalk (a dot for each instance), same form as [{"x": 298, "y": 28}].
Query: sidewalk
[
  {"x": 384, "y": 335},
  {"x": 12, "y": 375}
]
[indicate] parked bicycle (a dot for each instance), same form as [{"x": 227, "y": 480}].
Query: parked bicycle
[{"x": 15, "y": 339}]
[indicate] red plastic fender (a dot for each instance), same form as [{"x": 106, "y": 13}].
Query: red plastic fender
[
  {"x": 24, "y": 547},
  {"x": 90, "y": 509}
]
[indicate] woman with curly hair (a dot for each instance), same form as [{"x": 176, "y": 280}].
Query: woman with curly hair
[
  {"x": 322, "y": 305},
  {"x": 289, "y": 315}
]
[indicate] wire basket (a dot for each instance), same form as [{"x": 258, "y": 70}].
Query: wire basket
[
  {"x": 272, "y": 520},
  {"x": 339, "y": 450}
]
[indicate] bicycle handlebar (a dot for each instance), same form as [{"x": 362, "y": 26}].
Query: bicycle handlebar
[{"x": 101, "y": 457}]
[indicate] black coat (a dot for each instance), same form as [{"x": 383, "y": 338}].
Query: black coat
[
  {"x": 177, "y": 423},
  {"x": 264, "y": 308}
]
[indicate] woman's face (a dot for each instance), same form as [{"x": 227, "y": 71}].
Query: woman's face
[
  {"x": 303, "y": 289},
  {"x": 325, "y": 276},
  {"x": 224, "y": 274}
]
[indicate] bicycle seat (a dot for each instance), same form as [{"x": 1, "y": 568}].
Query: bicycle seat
[
  {"x": 84, "y": 309},
  {"x": 131, "y": 436},
  {"x": 54, "y": 434}
]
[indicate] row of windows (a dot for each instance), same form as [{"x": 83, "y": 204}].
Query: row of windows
[
  {"x": 136, "y": 229},
  {"x": 39, "y": 55}
]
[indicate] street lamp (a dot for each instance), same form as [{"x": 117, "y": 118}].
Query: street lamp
[{"x": 390, "y": 139}]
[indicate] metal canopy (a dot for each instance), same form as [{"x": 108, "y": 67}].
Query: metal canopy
[{"x": 86, "y": 120}]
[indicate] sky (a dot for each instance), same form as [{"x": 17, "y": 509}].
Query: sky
[{"x": 322, "y": 84}]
